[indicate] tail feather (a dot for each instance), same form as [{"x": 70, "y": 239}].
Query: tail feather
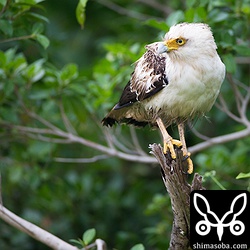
[
  {"x": 121, "y": 116},
  {"x": 108, "y": 121}
]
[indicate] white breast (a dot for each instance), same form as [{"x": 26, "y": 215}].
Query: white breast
[{"x": 192, "y": 89}]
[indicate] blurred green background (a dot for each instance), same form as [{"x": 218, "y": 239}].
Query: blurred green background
[{"x": 53, "y": 70}]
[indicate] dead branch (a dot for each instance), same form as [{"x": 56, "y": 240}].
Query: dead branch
[
  {"x": 33, "y": 230},
  {"x": 220, "y": 140},
  {"x": 81, "y": 160},
  {"x": 38, "y": 233},
  {"x": 175, "y": 179}
]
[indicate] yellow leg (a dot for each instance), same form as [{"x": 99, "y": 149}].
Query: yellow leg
[
  {"x": 184, "y": 148},
  {"x": 168, "y": 141}
]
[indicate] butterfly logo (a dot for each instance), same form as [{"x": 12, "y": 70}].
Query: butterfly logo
[{"x": 210, "y": 219}]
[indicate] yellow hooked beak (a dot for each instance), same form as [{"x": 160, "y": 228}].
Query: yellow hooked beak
[{"x": 175, "y": 43}]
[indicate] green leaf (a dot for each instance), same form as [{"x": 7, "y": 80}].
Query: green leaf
[
  {"x": 80, "y": 12},
  {"x": 10, "y": 55},
  {"x": 6, "y": 27},
  {"x": 43, "y": 40},
  {"x": 243, "y": 175},
  {"x": 16, "y": 175},
  {"x": 74, "y": 105},
  {"x": 242, "y": 50},
  {"x": 190, "y": 3},
  {"x": 29, "y": 2},
  {"x": 18, "y": 64},
  {"x": 35, "y": 71},
  {"x": 37, "y": 28},
  {"x": 217, "y": 15},
  {"x": 201, "y": 13},
  {"x": 78, "y": 88},
  {"x": 8, "y": 87},
  {"x": 38, "y": 94},
  {"x": 157, "y": 24},
  {"x": 78, "y": 242},
  {"x": 39, "y": 17},
  {"x": 175, "y": 17},
  {"x": 230, "y": 63},
  {"x": 195, "y": 14},
  {"x": 39, "y": 149},
  {"x": 3, "y": 2},
  {"x": 189, "y": 15},
  {"x": 68, "y": 73},
  {"x": 138, "y": 247},
  {"x": 88, "y": 236}
]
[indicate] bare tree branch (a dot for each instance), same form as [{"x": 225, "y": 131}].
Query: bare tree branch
[
  {"x": 28, "y": 129},
  {"x": 136, "y": 141},
  {"x": 34, "y": 231},
  {"x": 108, "y": 137},
  {"x": 222, "y": 105},
  {"x": 44, "y": 122},
  {"x": 48, "y": 139},
  {"x": 38, "y": 233},
  {"x": 197, "y": 133},
  {"x": 220, "y": 140},
  {"x": 238, "y": 96},
  {"x": 66, "y": 137},
  {"x": 100, "y": 244},
  {"x": 241, "y": 100},
  {"x": 66, "y": 120},
  {"x": 242, "y": 60},
  {"x": 19, "y": 38},
  {"x": 81, "y": 160}
]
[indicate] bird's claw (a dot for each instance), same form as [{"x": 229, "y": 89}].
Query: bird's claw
[
  {"x": 169, "y": 145},
  {"x": 189, "y": 162}
]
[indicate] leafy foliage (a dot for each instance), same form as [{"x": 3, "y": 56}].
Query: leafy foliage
[
  {"x": 52, "y": 71},
  {"x": 80, "y": 12},
  {"x": 87, "y": 237}
]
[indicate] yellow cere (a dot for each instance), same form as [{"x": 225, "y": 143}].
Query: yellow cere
[{"x": 173, "y": 44}]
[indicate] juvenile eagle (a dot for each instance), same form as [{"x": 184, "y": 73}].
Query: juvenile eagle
[{"x": 174, "y": 81}]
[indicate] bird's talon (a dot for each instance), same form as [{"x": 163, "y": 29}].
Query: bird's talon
[
  {"x": 176, "y": 143},
  {"x": 189, "y": 163},
  {"x": 169, "y": 145},
  {"x": 186, "y": 156}
]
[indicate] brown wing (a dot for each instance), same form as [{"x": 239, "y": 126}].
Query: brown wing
[{"x": 147, "y": 79}]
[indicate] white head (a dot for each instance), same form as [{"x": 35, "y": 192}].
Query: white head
[{"x": 189, "y": 41}]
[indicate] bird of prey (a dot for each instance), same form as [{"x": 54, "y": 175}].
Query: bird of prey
[{"x": 176, "y": 80}]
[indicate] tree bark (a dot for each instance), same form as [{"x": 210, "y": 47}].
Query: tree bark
[{"x": 174, "y": 175}]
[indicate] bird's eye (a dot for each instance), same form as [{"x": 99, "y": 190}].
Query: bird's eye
[{"x": 180, "y": 41}]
